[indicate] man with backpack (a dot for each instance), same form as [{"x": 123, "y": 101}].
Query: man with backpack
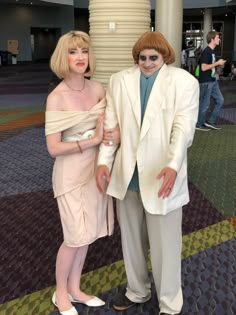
[{"x": 209, "y": 86}]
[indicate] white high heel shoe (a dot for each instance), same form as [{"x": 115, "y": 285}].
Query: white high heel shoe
[
  {"x": 71, "y": 311},
  {"x": 93, "y": 302}
]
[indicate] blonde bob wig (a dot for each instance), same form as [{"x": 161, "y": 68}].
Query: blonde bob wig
[
  {"x": 71, "y": 40},
  {"x": 154, "y": 40}
]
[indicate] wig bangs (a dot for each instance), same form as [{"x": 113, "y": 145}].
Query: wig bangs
[{"x": 77, "y": 42}]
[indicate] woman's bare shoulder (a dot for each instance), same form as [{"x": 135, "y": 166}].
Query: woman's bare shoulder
[
  {"x": 97, "y": 87},
  {"x": 54, "y": 99}
]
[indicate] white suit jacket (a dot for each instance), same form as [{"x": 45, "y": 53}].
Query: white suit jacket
[{"x": 167, "y": 131}]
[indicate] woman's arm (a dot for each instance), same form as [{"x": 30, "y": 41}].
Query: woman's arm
[{"x": 56, "y": 147}]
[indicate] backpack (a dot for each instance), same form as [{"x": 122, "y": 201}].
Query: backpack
[{"x": 197, "y": 71}]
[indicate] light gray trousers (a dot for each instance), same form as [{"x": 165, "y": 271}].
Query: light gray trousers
[{"x": 163, "y": 234}]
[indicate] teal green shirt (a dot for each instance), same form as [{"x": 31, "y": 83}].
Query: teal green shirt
[{"x": 146, "y": 84}]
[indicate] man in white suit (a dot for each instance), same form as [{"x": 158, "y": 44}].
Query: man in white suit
[{"x": 155, "y": 106}]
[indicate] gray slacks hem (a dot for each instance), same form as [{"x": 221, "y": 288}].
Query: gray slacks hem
[{"x": 140, "y": 231}]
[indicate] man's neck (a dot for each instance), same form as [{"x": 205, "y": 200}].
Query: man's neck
[{"x": 212, "y": 46}]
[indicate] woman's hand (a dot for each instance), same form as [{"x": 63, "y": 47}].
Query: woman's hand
[
  {"x": 99, "y": 129},
  {"x": 111, "y": 136}
]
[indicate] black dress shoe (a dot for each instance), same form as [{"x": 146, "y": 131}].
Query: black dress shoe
[{"x": 121, "y": 302}]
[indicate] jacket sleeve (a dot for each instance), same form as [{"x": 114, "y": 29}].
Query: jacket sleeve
[
  {"x": 184, "y": 122},
  {"x": 106, "y": 154}
]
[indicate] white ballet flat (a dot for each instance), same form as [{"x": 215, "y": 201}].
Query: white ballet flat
[
  {"x": 71, "y": 311},
  {"x": 93, "y": 302}
]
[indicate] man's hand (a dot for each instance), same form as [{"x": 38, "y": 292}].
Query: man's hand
[
  {"x": 169, "y": 177},
  {"x": 221, "y": 62},
  {"x": 102, "y": 178}
]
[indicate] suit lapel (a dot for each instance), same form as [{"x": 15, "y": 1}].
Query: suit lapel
[
  {"x": 132, "y": 84},
  {"x": 156, "y": 99}
]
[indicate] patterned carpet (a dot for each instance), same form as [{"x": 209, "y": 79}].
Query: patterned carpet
[{"x": 30, "y": 230}]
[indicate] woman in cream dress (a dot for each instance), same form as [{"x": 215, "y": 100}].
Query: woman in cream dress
[{"x": 74, "y": 130}]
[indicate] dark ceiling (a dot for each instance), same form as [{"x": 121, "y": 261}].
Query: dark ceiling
[
  {"x": 28, "y": 2},
  {"x": 228, "y": 10}
]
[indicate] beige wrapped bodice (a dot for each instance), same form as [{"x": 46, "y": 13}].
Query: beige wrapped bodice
[{"x": 73, "y": 170}]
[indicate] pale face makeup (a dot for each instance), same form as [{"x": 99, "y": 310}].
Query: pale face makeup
[
  {"x": 150, "y": 61},
  {"x": 78, "y": 59}
]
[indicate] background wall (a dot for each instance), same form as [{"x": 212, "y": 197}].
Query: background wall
[
  {"x": 38, "y": 28},
  {"x": 22, "y": 22},
  {"x": 82, "y": 19},
  {"x": 228, "y": 44}
]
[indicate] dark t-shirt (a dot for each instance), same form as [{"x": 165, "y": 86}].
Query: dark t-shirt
[{"x": 208, "y": 57}]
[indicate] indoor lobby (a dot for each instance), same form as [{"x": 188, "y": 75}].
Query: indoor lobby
[{"x": 30, "y": 226}]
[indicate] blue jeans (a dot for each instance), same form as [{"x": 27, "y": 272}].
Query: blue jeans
[{"x": 208, "y": 90}]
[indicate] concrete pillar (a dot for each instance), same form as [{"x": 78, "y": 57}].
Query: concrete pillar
[
  {"x": 114, "y": 28},
  {"x": 169, "y": 21},
  {"x": 207, "y": 25}
]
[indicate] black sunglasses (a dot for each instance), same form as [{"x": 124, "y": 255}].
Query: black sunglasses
[{"x": 151, "y": 58}]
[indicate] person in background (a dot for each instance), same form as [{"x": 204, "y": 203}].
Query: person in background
[
  {"x": 209, "y": 85},
  {"x": 74, "y": 130},
  {"x": 226, "y": 71},
  {"x": 233, "y": 71},
  {"x": 155, "y": 105},
  {"x": 191, "y": 59},
  {"x": 183, "y": 57}
]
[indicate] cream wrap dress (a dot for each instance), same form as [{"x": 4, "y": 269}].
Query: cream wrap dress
[{"x": 85, "y": 213}]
